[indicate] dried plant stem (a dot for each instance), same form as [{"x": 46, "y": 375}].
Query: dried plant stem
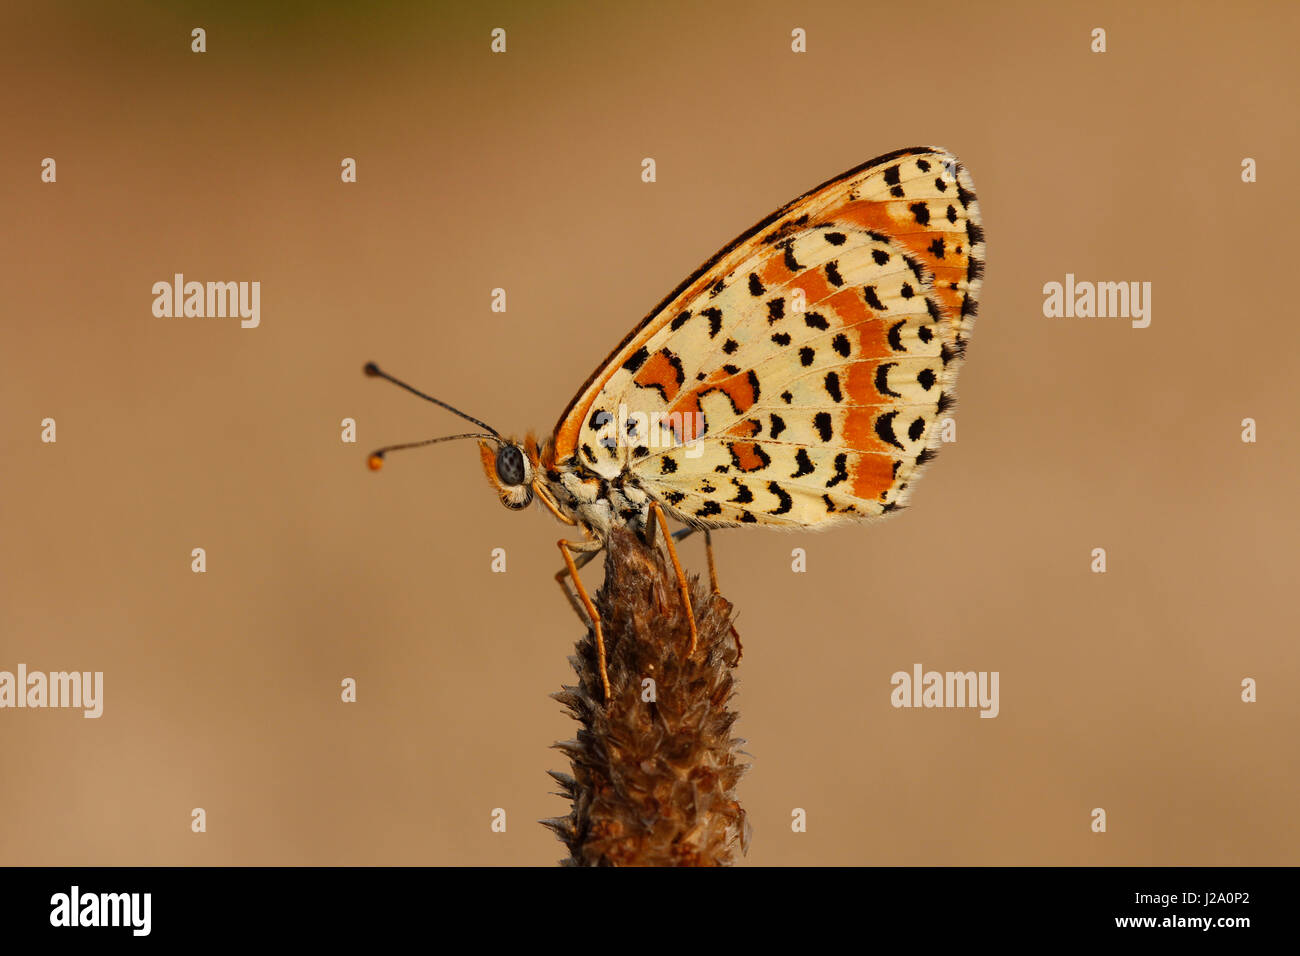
[{"x": 655, "y": 772}]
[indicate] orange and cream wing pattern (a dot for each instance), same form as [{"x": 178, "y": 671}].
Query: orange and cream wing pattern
[{"x": 798, "y": 378}]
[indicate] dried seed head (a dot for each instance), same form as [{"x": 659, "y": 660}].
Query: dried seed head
[{"x": 654, "y": 773}]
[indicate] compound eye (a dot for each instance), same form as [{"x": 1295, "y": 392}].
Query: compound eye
[{"x": 510, "y": 465}]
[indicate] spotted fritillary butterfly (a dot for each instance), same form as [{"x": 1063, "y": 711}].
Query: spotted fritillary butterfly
[{"x": 796, "y": 380}]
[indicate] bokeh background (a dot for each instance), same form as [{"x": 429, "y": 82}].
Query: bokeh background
[{"x": 522, "y": 171}]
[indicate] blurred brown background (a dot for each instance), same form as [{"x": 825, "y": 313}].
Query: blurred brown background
[{"x": 522, "y": 171}]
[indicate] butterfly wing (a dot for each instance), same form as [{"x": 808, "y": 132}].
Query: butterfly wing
[{"x": 799, "y": 376}]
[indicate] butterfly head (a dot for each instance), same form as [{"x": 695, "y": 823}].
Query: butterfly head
[{"x": 510, "y": 466}]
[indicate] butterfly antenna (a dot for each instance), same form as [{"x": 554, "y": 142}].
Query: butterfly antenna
[
  {"x": 376, "y": 459},
  {"x": 375, "y": 371}
]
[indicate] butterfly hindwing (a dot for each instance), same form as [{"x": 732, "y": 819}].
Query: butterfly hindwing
[{"x": 798, "y": 378}]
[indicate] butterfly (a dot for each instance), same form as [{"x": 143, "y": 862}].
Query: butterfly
[{"x": 796, "y": 380}]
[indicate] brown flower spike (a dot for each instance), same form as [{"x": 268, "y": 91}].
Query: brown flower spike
[{"x": 654, "y": 773}]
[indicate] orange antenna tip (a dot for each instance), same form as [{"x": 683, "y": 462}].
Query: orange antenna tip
[{"x": 375, "y": 462}]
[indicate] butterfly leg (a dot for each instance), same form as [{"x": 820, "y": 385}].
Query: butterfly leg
[
  {"x": 713, "y": 577},
  {"x": 582, "y": 560},
  {"x": 587, "y": 550},
  {"x": 683, "y": 533},
  {"x": 655, "y": 521}
]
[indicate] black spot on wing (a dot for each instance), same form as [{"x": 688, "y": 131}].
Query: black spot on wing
[
  {"x": 781, "y": 338},
  {"x": 806, "y": 356},
  {"x": 894, "y": 336},
  {"x": 791, "y": 262},
  {"x": 667, "y": 466},
  {"x": 714, "y": 315},
  {"x": 835, "y": 238},
  {"x": 778, "y": 425},
  {"x": 873, "y": 300},
  {"x": 841, "y": 345},
  {"x": 709, "y": 508},
  {"x": 920, "y": 212},
  {"x": 787, "y": 503},
  {"x": 636, "y": 359},
  {"x": 885, "y": 429},
  {"x": 822, "y": 422},
  {"x": 743, "y": 495},
  {"x": 880, "y": 255},
  {"x": 678, "y": 322},
  {"x": 841, "y": 470},
  {"x": 755, "y": 286},
  {"x": 833, "y": 386},
  {"x": 815, "y": 320},
  {"x": 882, "y": 379},
  {"x": 916, "y": 429},
  {"x": 833, "y": 274},
  {"x": 804, "y": 462},
  {"x": 775, "y": 309}
]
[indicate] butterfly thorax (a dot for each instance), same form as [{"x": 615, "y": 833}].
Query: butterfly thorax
[{"x": 595, "y": 502}]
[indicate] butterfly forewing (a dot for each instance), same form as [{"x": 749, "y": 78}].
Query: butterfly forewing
[{"x": 799, "y": 376}]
